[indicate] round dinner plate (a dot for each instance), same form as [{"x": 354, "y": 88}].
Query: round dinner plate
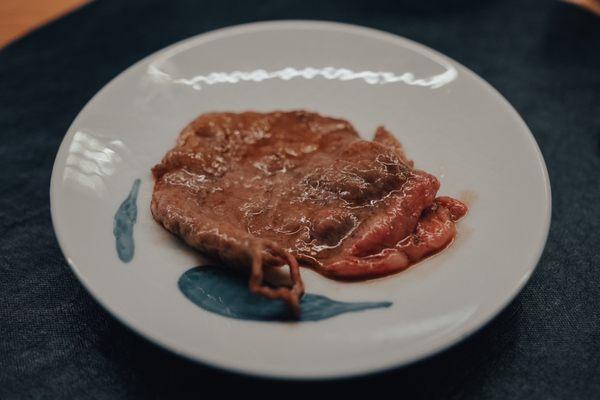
[{"x": 451, "y": 123}]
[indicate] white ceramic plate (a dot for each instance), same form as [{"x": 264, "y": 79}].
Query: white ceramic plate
[{"x": 452, "y": 123}]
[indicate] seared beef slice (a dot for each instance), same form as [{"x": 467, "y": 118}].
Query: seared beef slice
[{"x": 263, "y": 190}]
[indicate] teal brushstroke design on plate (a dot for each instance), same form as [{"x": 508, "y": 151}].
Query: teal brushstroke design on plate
[
  {"x": 226, "y": 293},
  {"x": 124, "y": 220}
]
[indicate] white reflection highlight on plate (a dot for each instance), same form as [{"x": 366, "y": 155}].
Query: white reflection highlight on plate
[
  {"x": 331, "y": 73},
  {"x": 90, "y": 160}
]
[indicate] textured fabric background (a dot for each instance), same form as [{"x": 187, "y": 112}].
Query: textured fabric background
[{"x": 56, "y": 342}]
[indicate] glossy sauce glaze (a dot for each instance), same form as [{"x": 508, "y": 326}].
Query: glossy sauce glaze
[{"x": 307, "y": 188}]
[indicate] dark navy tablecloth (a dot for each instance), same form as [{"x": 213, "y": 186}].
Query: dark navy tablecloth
[{"x": 544, "y": 56}]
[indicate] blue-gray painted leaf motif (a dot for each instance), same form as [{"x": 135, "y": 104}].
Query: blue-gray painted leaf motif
[
  {"x": 123, "y": 223},
  {"x": 225, "y": 292}
]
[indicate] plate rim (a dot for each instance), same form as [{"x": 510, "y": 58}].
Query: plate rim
[{"x": 468, "y": 329}]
